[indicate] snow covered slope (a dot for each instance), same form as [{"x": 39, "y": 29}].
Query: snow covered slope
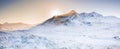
[{"x": 68, "y": 31}]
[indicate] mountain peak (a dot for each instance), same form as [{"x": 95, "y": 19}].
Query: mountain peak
[
  {"x": 73, "y": 11},
  {"x": 70, "y": 13}
]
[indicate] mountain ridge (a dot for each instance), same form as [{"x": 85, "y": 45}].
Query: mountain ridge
[{"x": 71, "y": 16}]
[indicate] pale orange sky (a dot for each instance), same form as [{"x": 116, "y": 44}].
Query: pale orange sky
[
  {"x": 30, "y": 12},
  {"x": 34, "y": 12}
]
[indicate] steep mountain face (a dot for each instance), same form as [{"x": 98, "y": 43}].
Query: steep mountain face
[
  {"x": 68, "y": 31},
  {"x": 60, "y": 19}
]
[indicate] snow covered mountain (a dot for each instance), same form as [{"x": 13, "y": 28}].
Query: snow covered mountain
[
  {"x": 68, "y": 31},
  {"x": 76, "y": 18}
]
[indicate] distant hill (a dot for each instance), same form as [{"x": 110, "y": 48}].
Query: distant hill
[{"x": 14, "y": 26}]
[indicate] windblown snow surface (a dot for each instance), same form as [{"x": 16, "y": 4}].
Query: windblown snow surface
[{"x": 80, "y": 31}]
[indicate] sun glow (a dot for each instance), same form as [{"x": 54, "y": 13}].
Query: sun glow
[{"x": 56, "y": 12}]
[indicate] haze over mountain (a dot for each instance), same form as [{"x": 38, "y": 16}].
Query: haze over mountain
[
  {"x": 14, "y": 26},
  {"x": 68, "y": 31}
]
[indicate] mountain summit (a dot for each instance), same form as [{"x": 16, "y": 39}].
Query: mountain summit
[
  {"x": 70, "y": 13},
  {"x": 60, "y": 18}
]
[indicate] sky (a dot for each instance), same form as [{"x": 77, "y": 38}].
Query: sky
[{"x": 37, "y": 11}]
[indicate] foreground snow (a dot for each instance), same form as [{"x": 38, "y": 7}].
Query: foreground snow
[{"x": 88, "y": 33}]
